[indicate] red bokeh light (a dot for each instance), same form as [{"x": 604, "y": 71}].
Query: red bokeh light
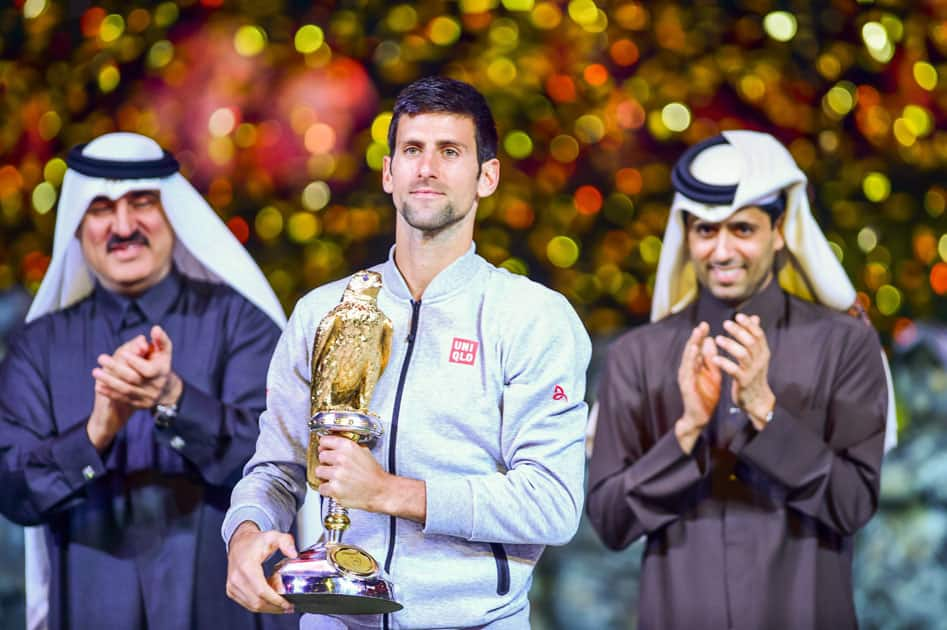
[
  {"x": 588, "y": 199},
  {"x": 240, "y": 229},
  {"x": 939, "y": 278}
]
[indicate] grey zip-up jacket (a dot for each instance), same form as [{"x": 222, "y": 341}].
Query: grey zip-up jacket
[{"x": 483, "y": 400}]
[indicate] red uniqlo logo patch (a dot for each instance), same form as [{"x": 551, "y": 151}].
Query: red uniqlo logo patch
[{"x": 463, "y": 351}]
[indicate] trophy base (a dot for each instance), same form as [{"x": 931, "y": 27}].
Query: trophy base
[
  {"x": 335, "y": 579},
  {"x": 326, "y": 604}
]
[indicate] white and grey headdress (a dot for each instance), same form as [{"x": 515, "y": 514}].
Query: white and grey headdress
[
  {"x": 717, "y": 177},
  {"x": 111, "y": 166}
]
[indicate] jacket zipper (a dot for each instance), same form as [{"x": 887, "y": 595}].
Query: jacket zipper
[
  {"x": 392, "y": 521},
  {"x": 503, "y": 568}
]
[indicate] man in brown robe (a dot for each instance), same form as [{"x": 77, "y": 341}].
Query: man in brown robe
[{"x": 742, "y": 432}]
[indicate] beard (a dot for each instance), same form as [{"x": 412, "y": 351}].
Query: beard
[
  {"x": 432, "y": 222},
  {"x": 758, "y": 277}
]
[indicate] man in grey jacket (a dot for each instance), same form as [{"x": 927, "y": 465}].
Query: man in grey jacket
[{"x": 481, "y": 461}]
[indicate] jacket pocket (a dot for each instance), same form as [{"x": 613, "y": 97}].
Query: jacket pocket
[{"x": 503, "y": 568}]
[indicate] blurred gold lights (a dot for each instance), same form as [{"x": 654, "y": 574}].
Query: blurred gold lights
[
  {"x": 676, "y": 117},
  {"x": 518, "y": 144},
  {"x": 222, "y": 122},
  {"x": 593, "y": 101},
  {"x": 876, "y": 186},
  {"x": 316, "y": 196},
  {"x": 308, "y": 38},
  {"x": 249, "y": 40},
  {"x": 160, "y": 54},
  {"x": 840, "y": 99},
  {"x": 867, "y": 240},
  {"x": 780, "y": 25},
  {"x": 888, "y": 299},
  {"x": 32, "y": 9},
  {"x": 268, "y": 223},
  {"x": 378, "y": 149},
  {"x": 444, "y": 31},
  {"x": 562, "y": 251},
  {"x": 925, "y": 74},
  {"x": 111, "y": 28},
  {"x": 109, "y": 77},
  {"x": 877, "y": 41},
  {"x": 586, "y": 14},
  {"x": 44, "y": 197}
]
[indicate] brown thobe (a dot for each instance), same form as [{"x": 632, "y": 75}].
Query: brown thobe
[{"x": 752, "y": 530}]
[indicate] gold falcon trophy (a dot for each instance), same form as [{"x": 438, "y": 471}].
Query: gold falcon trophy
[{"x": 350, "y": 351}]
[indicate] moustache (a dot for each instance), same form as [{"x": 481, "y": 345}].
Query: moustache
[{"x": 135, "y": 238}]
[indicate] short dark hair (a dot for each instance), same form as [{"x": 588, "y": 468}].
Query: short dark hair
[{"x": 433, "y": 95}]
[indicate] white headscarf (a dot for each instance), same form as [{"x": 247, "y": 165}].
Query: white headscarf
[
  {"x": 760, "y": 167},
  {"x": 204, "y": 248}
]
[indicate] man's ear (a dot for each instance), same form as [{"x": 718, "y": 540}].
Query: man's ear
[
  {"x": 386, "y": 174},
  {"x": 489, "y": 178},
  {"x": 779, "y": 242}
]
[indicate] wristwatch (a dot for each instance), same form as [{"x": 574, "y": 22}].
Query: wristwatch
[{"x": 165, "y": 414}]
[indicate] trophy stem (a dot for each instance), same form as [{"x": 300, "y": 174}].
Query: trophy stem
[{"x": 336, "y": 521}]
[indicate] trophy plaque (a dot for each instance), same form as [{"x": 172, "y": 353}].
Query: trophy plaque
[{"x": 350, "y": 351}]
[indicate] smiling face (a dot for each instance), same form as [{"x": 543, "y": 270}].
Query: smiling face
[
  {"x": 433, "y": 175},
  {"x": 734, "y": 258},
  {"x": 127, "y": 242}
]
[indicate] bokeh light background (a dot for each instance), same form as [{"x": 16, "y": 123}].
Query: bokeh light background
[{"x": 278, "y": 112}]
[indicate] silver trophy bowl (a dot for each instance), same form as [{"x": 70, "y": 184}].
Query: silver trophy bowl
[
  {"x": 317, "y": 582},
  {"x": 331, "y": 577}
]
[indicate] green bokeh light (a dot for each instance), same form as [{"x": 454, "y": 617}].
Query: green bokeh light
[
  {"x": 111, "y": 28},
  {"x": 518, "y": 144},
  {"x": 650, "y": 249},
  {"x": 562, "y": 251},
  {"x": 309, "y": 38},
  {"x": 54, "y": 171},
  {"x": 876, "y": 186},
  {"x": 888, "y": 299},
  {"x": 249, "y": 40},
  {"x": 44, "y": 197},
  {"x": 268, "y": 223},
  {"x": 160, "y": 54}
]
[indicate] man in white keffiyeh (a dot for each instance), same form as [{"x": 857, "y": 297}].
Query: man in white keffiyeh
[
  {"x": 742, "y": 430},
  {"x": 752, "y": 168},
  {"x": 141, "y": 374}
]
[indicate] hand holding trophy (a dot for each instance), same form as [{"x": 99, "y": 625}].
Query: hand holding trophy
[{"x": 350, "y": 351}]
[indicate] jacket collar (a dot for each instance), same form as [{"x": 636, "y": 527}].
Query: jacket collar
[{"x": 453, "y": 278}]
